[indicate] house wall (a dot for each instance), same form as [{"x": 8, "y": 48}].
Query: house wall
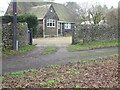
[
  {"x": 63, "y": 31},
  {"x": 51, "y": 31},
  {"x": 39, "y": 29}
]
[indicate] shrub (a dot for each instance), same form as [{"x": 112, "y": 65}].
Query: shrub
[
  {"x": 7, "y": 18},
  {"x": 31, "y": 20},
  {"x": 21, "y": 18}
]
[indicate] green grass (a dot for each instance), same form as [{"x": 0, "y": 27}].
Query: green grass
[
  {"x": 21, "y": 72},
  {"x": 47, "y": 83},
  {"x": 89, "y": 60},
  {"x": 92, "y": 45},
  {"x": 21, "y": 50},
  {"x": 77, "y": 86},
  {"x": 18, "y": 73},
  {"x": 48, "y": 50}
]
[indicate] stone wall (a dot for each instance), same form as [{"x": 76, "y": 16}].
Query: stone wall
[
  {"x": 88, "y": 33},
  {"x": 7, "y": 35}
]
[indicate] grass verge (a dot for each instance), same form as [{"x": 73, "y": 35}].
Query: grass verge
[
  {"x": 49, "y": 49},
  {"x": 21, "y": 50},
  {"x": 92, "y": 45},
  {"x": 19, "y": 73}
]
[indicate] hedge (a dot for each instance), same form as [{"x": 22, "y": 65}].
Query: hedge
[{"x": 31, "y": 21}]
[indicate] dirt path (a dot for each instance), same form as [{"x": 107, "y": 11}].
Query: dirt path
[{"x": 34, "y": 59}]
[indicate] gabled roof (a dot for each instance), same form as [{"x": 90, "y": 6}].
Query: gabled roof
[
  {"x": 40, "y": 11},
  {"x": 63, "y": 13}
]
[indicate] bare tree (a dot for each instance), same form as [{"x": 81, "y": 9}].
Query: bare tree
[
  {"x": 84, "y": 11},
  {"x": 112, "y": 17},
  {"x": 97, "y": 13},
  {"x": 92, "y": 13},
  {"x": 74, "y": 7}
]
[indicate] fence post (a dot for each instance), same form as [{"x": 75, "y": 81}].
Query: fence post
[
  {"x": 29, "y": 36},
  {"x": 73, "y": 33},
  {"x": 119, "y": 20},
  {"x": 118, "y": 38},
  {"x": 15, "y": 25}
]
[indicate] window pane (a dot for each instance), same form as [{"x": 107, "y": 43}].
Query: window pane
[
  {"x": 50, "y": 22},
  {"x": 53, "y": 24},
  {"x": 68, "y": 26},
  {"x": 47, "y": 24}
]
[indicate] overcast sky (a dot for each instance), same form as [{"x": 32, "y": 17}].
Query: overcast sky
[{"x": 109, "y": 3}]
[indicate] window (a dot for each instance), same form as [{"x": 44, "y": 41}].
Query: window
[
  {"x": 50, "y": 23},
  {"x": 67, "y": 25}
]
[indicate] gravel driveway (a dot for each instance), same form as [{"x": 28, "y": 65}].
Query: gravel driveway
[{"x": 58, "y": 41}]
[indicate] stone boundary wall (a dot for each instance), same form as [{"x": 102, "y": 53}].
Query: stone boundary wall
[
  {"x": 88, "y": 33},
  {"x": 7, "y": 35}
]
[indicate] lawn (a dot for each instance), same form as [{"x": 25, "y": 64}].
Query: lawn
[
  {"x": 46, "y": 50},
  {"x": 96, "y": 73},
  {"x": 20, "y": 50},
  {"x": 92, "y": 45},
  {"x": 49, "y": 50}
]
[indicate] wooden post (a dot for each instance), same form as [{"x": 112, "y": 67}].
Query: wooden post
[
  {"x": 15, "y": 47},
  {"x": 44, "y": 28},
  {"x": 31, "y": 35},
  {"x": 118, "y": 40},
  {"x": 57, "y": 28},
  {"x": 61, "y": 29},
  {"x": 119, "y": 20},
  {"x": 73, "y": 34}
]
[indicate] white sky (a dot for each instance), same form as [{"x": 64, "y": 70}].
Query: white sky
[{"x": 109, "y": 3}]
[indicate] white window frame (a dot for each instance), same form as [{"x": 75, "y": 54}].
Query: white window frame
[
  {"x": 51, "y": 22},
  {"x": 67, "y": 26}
]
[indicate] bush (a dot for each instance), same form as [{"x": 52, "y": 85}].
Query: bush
[
  {"x": 32, "y": 23},
  {"x": 21, "y": 18},
  {"x": 31, "y": 20},
  {"x": 7, "y": 18}
]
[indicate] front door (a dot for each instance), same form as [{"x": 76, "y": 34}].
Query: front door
[{"x": 60, "y": 28}]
